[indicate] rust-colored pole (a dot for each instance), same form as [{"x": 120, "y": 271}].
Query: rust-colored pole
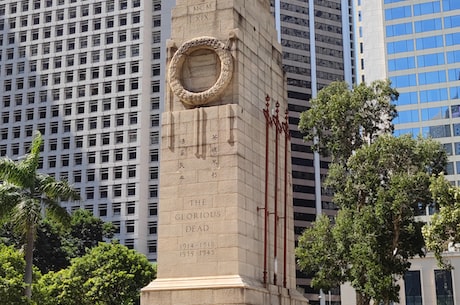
[
  {"x": 268, "y": 123},
  {"x": 275, "y": 230},
  {"x": 287, "y": 137}
]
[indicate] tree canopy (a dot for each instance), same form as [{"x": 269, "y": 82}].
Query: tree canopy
[
  {"x": 443, "y": 230},
  {"x": 341, "y": 119},
  {"x": 109, "y": 274},
  {"x": 382, "y": 189},
  {"x": 380, "y": 184}
]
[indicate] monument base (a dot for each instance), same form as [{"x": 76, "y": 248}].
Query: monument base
[{"x": 217, "y": 290}]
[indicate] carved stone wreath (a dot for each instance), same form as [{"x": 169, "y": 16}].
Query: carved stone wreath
[{"x": 175, "y": 70}]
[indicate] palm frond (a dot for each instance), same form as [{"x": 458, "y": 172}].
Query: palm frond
[
  {"x": 11, "y": 172},
  {"x": 28, "y": 167},
  {"x": 56, "y": 212},
  {"x": 55, "y": 190},
  {"x": 26, "y": 214},
  {"x": 10, "y": 195}
]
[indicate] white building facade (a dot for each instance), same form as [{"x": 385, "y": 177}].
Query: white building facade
[{"x": 89, "y": 76}]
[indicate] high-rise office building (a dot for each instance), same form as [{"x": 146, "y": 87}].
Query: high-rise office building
[
  {"x": 415, "y": 44},
  {"x": 316, "y": 37},
  {"x": 88, "y": 75}
]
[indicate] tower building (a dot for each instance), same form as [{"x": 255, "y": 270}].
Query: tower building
[
  {"x": 414, "y": 44},
  {"x": 316, "y": 37},
  {"x": 88, "y": 75}
]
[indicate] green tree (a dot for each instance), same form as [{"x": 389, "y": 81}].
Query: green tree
[
  {"x": 50, "y": 252},
  {"x": 56, "y": 244},
  {"x": 86, "y": 231},
  {"x": 379, "y": 191},
  {"x": 25, "y": 195},
  {"x": 444, "y": 227},
  {"x": 11, "y": 276},
  {"x": 109, "y": 274},
  {"x": 341, "y": 119}
]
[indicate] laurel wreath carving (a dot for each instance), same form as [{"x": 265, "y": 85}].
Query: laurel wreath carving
[{"x": 175, "y": 71}]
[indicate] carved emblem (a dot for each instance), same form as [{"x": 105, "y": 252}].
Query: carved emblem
[{"x": 175, "y": 71}]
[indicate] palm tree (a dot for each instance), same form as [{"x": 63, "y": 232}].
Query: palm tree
[{"x": 26, "y": 195}]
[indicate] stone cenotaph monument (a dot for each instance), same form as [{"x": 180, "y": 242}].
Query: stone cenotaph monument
[{"x": 225, "y": 231}]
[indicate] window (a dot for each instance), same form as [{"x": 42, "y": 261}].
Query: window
[
  {"x": 154, "y": 155},
  {"x": 104, "y": 156},
  {"x": 398, "y": 12},
  {"x": 122, "y": 20},
  {"x": 96, "y": 40},
  {"x": 153, "y": 191},
  {"x": 92, "y": 123},
  {"x": 52, "y": 161},
  {"x": 154, "y": 173},
  {"x": 155, "y": 86},
  {"x": 132, "y": 136},
  {"x": 90, "y": 175},
  {"x": 428, "y": 25},
  {"x": 132, "y": 154},
  {"x": 117, "y": 193},
  {"x": 153, "y": 227},
  {"x": 71, "y": 28},
  {"x": 117, "y": 172},
  {"x": 104, "y": 173},
  {"x": 110, "y": 22},
  {"x": 121, "y": 69},
  {"x": 77, "y": 176},
  {"x": 106, "y": 104},
  {"x": 84, "y": 10},
  {"x": 102, "y": 210},
  {"x": 444, "y": 289},
  {"x": 108, "y": 38},
  {"x": 106, "y": 121},
  {"x": 122, "y": 36},
  {"x": 155, "y": 70},
  {"x": 79, "y": 142},
  {"x": 66, "y": 126},
  {"x": 119, "y": 120},
  {"x": 134, "y": 84},
  {"x": 89, "y": 192},
  {"x": 108, "y": 71},
  {"x": 135, "y": 34},
  {"x": 95, "y": 56},
  {"x": 132, "y": 171},
  {"x": 136, "y": 18},
  {"x": 130, "y": 208},
  {"x": 65, "y": 160},
  {"x": 105, "y": 138},
  {"x": 91, "y": 157},
  {"x": 156, "y": 20},
  {"x": 133, "y": 101},
  {"x": 97, "y": 8},
  {"x": 95, "y": 73},
  {"x": 118, "y": 155},
  {"x": 119, "y": 137},
  {"x": 81, "y": 75},
  {"x": 131, "y": 189},
  {"x": 103, "y": 191},
  {"x": 65, "y": 143},
  {"x": 107, "y": 87},
  {"x": 81, "y": 107},
  {"x": 92, "y": 140},
  {"x": 129, "y": 226}
]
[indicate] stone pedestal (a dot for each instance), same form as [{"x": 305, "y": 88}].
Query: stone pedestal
[{"x": 225, "y": 191}]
